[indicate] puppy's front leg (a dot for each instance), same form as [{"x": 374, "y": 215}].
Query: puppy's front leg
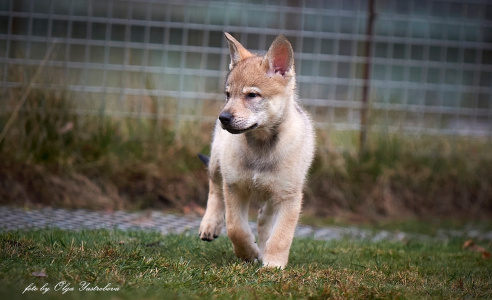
[
  {"x": 243, "y": 240},
  {"x": 213, "y": 220},
  {"x": 276, "y": 253}
]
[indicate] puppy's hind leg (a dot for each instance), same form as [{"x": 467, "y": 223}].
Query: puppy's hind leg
[
  {"x": 266, "y": 221},
  {"x": 213, "y": 220}
]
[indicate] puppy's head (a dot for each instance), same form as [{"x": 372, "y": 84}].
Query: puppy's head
[{"x": 257, "y": 88}]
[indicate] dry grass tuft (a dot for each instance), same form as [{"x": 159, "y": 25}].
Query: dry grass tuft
[{"x": 405, "y": 176}]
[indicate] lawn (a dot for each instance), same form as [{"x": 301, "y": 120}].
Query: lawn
[{"x": 148, "y": 265}]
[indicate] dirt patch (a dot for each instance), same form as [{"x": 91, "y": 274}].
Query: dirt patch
[{"x": 135, "y": 188}]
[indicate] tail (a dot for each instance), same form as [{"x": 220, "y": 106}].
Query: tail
[{"x": 205, "y": 159}]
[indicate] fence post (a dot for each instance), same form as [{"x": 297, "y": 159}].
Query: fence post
[{"x": 367, "y": 78}]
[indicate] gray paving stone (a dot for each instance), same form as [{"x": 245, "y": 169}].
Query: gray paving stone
[{"x": 12, "y": 218}]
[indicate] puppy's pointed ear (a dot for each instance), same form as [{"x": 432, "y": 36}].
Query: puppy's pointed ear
[
  {"x": 238, "y": 52},
  {"x": 280, "y": 57}
]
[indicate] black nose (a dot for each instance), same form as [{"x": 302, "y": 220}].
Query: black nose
[{"x": 225, "y": 117}]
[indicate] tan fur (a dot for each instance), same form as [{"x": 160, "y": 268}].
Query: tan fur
[{"x": 262, "y": 148}]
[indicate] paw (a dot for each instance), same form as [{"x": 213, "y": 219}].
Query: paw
[
  {"x": 274, "y": 265},
  {"x": 274, "y": 262},
  {"x": 210, "y": 230},
  {"x": 249, "y": 254}
]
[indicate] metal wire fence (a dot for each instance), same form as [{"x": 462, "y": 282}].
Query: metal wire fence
[{"x": 431, "y": 68}]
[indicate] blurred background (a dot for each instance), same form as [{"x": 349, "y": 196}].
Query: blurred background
[{"x": 104, "y": 104}]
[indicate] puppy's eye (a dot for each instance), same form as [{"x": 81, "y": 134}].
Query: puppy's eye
[
  {"x": 228, "y": 95},
  {"x": 253, "y": 95}
]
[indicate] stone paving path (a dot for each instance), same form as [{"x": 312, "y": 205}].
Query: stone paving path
[{"x": 12, "y": 218}]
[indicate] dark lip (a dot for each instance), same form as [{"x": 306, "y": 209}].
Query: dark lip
[{"x": 235, "y": 131}]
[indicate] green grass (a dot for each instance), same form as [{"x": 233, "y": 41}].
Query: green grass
[{"x": 147, "y": 265}]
